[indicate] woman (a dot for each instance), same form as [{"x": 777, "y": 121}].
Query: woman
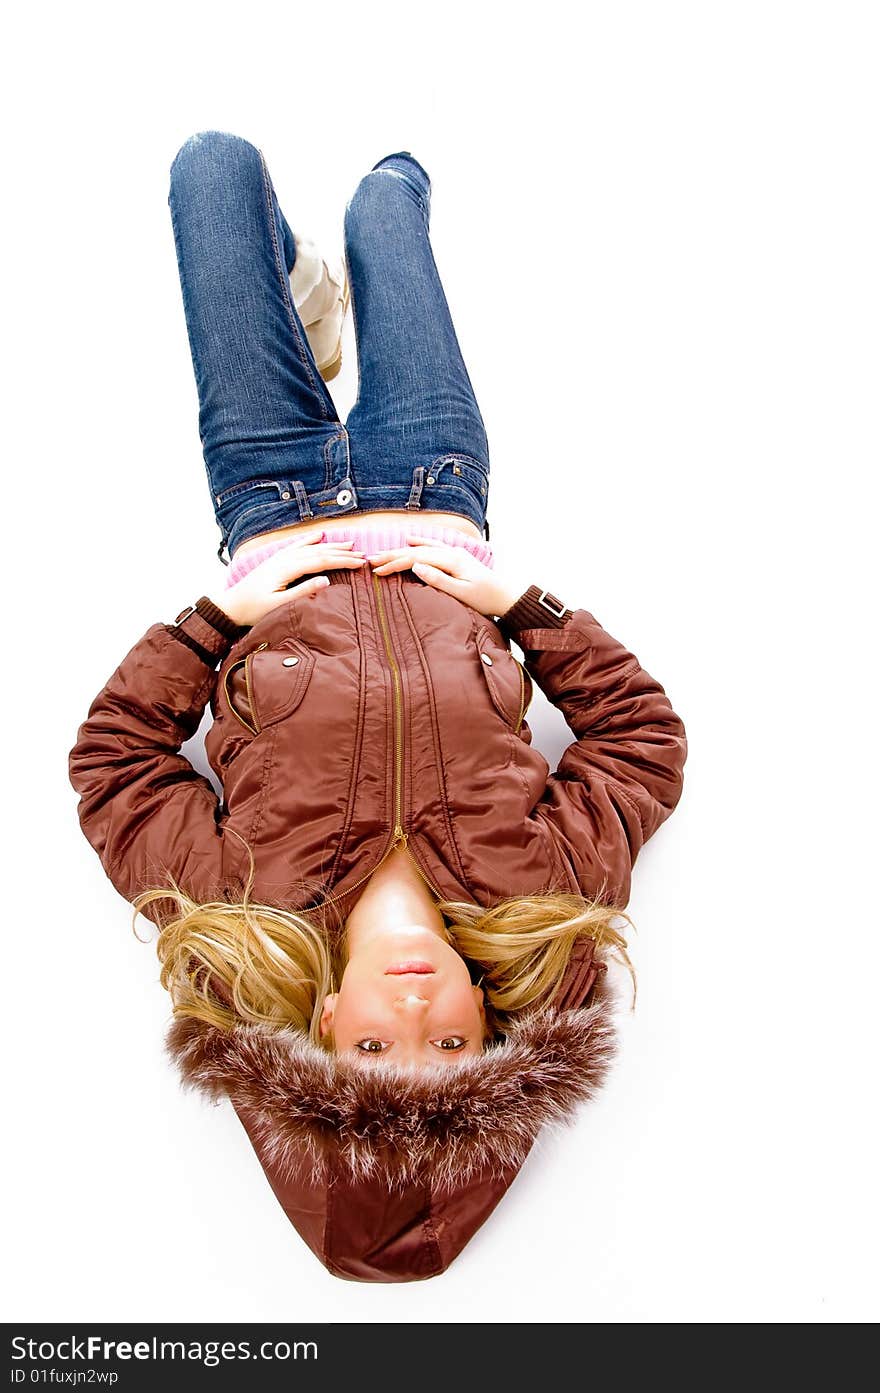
[{"x": 393, "y": 879}]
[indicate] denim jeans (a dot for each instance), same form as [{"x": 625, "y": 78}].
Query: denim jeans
[{"x": 275, "y": 450}]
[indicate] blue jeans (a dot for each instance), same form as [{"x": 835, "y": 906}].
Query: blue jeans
[{"x": 275, "y": 450}]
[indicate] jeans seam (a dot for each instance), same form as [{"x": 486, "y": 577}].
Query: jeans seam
[
  {"x": 456, "y": 456},
  {"x": 261, "y": 508},
  {"x": 329, "y": 481},
  {"x": 285, "y": 287},
  {"x": 250, "y": 486},
  {"x": 354, "y": 320}
]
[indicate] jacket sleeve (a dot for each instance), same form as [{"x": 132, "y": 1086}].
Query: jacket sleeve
[
  {"x": 623, "y": 774},
  {"x": 143, "y": 807}
]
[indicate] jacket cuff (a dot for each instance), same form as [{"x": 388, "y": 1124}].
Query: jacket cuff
[
  {"x": 219, "y": 619},
  {"x": 206, "y": 630},
  {"x": 535, "y": 609}
]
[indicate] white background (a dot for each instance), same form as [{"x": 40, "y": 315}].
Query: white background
[{"x": 657, "y": 226}]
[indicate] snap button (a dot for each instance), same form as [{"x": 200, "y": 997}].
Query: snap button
[
  {"x": 285, "y": 496},
  {"x": 343, "y": 497},
  {"x": 289, "y": 662},
  {"x": 431, "y": 479},
  {"x": 486, "y": 659}
]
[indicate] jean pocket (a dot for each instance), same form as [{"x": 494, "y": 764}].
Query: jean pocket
[
  {"x": 461, "y": 472},
  {"x": 253, "y": 492}
]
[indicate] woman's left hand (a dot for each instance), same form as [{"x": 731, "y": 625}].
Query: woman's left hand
[{"x": 451, "y": 569}]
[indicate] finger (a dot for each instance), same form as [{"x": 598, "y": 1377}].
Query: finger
[
  {"x": 440, "y": 580},
  {"x": 449, "y": 558},
  {"x": 331, "y": 563},
  {"x": 416, "y": 541},
  {"x": 309, "y": 534},
  {"x": 392, "y": 554},
  {"x": 318, "y": 560},
  {"x": 321, "y": 547},
  {"x": 314, "y": 544},
  {"x": 400, "y": 563},
  {"x": 310, "y": 588},
  {"x": 306, "y": 539}
]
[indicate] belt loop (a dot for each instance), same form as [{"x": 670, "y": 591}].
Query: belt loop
[
  {"x": 302, "y": 499},
  {"x": 415, "y": 492}
]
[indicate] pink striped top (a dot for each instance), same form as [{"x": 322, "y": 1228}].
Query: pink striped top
[{"x": 367, "y": 539}]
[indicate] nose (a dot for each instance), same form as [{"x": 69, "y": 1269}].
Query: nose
[{"x": 411, "y": 1002}]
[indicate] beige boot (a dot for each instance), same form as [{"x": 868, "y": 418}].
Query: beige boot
[{"x": 320, "y": 294}]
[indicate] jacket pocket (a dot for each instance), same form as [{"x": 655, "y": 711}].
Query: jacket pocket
[
  {"x": 509, "y": 684},
  {"x": 268, "y": 684}
]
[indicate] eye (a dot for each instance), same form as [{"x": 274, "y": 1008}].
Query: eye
[
  {"x": 371, "y": 1046},
  {"x": 450, "y": 1042}
]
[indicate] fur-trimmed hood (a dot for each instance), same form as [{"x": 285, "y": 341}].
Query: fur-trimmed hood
[{"x": 385, "y": 1173}]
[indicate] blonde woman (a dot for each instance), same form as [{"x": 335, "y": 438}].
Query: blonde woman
[{"x": 393, "y": 879}]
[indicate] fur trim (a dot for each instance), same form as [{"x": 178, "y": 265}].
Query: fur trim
[{"x": 449, "y": 1123}]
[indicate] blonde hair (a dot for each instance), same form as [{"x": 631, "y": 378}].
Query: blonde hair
[{"x": 275, "y": 967}]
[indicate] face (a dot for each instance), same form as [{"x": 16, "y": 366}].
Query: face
[{"x": 406, "y": 998}]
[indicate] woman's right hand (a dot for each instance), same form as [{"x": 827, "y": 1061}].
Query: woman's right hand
[
  {"x": 451, "y": 569},
  {"x": 267, "y": 585}
]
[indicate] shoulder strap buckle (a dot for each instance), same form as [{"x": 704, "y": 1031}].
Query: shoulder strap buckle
[{"x": 543, "y": 600}]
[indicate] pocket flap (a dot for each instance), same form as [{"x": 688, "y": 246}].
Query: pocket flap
[
  {"x": 278, "y": 678},
  {"x": 510, "y": 685}
]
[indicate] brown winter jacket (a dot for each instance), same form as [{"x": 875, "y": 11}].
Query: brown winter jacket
[{"x": 382, "y": 711}]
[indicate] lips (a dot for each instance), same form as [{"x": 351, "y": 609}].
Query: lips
[{"x": 413, "y": 966}]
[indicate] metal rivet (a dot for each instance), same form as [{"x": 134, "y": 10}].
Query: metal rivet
[
  {"x": 285, "y": 496},
  {"x": 456, "y": 469},
  {"x": 217, "y": 496},
  {"x": 486, "y": 659},
  {"x": 289, "y": 662},
  {"x": 431, "y": 479},
  {"x": 343, "y": 497}
]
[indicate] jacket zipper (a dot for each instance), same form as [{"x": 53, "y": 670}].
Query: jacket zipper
[
  {"x": 328, "y": 899},
  {"x": 398, "y": 712},
  {"x": 404, "y": 840},
  {"x": 522, "y": 691},
  {"x": 398, "y": 836},
  {"x": 247, "y": 678}
]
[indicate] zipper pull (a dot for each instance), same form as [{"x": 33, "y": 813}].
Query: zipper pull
[{"x": 400, "y": 836}]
